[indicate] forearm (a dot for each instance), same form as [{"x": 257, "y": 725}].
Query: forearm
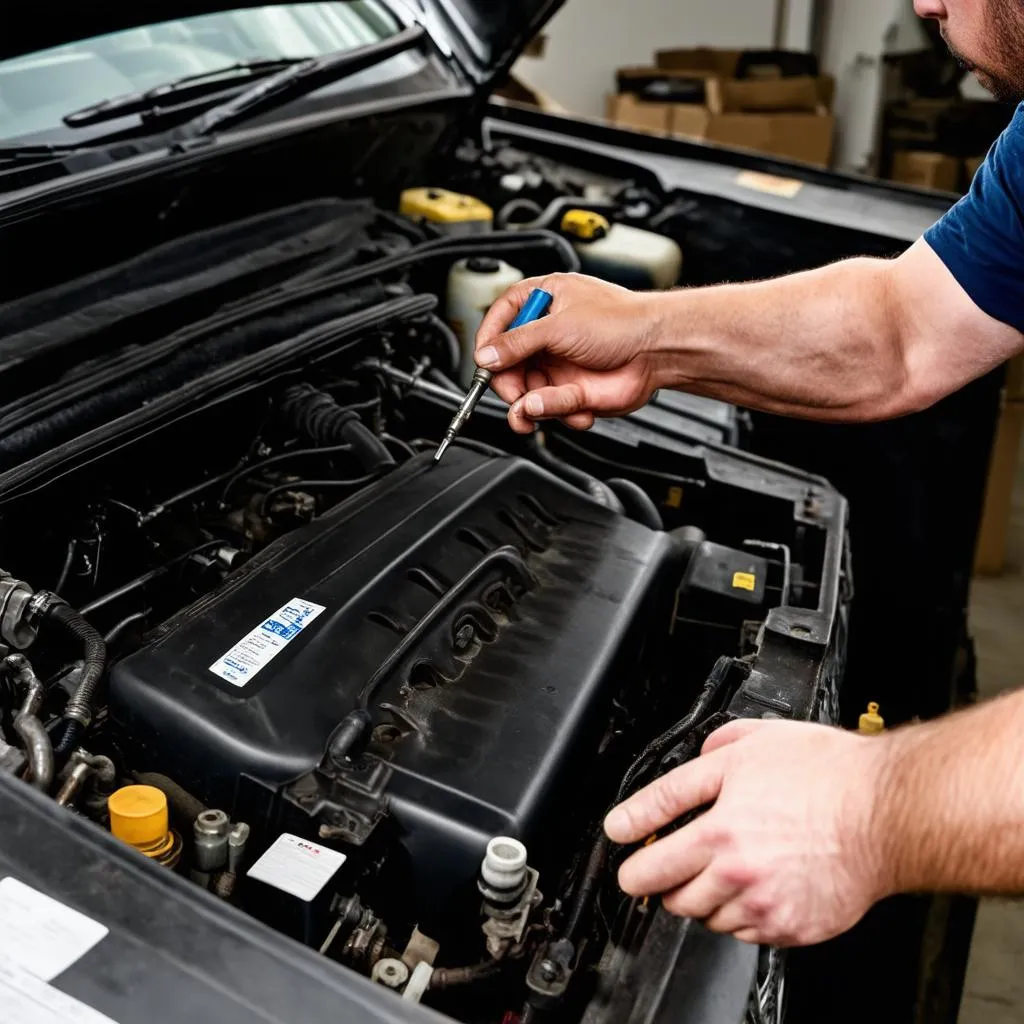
[
  {"x": 826, "y": 344},
  {"x": 950, "y": 810}
]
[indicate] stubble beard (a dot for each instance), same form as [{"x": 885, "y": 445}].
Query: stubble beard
[{"x": 1003, "y": 74}]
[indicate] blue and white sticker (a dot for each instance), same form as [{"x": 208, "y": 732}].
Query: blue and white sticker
[{"x": 265, "y": 642}]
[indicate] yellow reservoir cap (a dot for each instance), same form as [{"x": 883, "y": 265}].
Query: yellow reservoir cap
[
  {"x": 138, "y": 817},
  {"x": 439, "y": 206},
  {"x": 584, "y": 225},
  {"x": 871, "y": 722}
]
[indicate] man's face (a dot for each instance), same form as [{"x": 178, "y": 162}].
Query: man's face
[{"x": 987, "y": 38}]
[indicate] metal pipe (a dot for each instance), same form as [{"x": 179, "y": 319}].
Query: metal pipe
[{"x": 39, "y": 750}]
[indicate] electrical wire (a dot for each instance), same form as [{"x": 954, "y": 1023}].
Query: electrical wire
[
  {"x": 274, "y": 460},
  {"x": 148, "y": 577},
  {"x": 315, "y": 485}
]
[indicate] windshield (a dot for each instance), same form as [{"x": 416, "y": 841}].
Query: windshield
[{"x": 37, "y": 90}]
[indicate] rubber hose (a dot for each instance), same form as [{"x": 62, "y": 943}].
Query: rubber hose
[
  {"x": 39, "y": 750},
  {"x": 639, "y": 505},
  {"x": 79, "y": 709},
  {"x": 600, "y": 492},
  {"x": 185, "y": 806},
  {"x": 450, "y": 977},
  {"x": 319, "y": 417},
  {"x": 587, "y": 888},
  {"x": 451, "y": 342}
]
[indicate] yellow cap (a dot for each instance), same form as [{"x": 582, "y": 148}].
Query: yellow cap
[
  {"x": 871, "y": 723},
  {"x": 439, "y": 206},
  {"x": 138, "y": 815},
  {"x": 585, "y": 225}
]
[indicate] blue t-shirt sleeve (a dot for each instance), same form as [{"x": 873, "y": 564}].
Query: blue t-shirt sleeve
[{"x": 981, "y": 239}]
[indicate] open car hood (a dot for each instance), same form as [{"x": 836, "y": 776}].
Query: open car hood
[{"x": 487, "y": 36}]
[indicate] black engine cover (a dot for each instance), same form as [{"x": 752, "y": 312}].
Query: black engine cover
[{"x": 485, "y": 612}]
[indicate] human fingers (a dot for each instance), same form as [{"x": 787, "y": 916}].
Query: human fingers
[
  {"x": 510, "y": 386},
  {"x": 579, "y": 420},
  {"x": 731, "y": 733},
  {"x": 506, "y": 309},
  {"x": 731, "y": 918},
  {"x": 668, "y": 863},
  {"x": 683, "y": 789},
  {"x": 515, "y": 347},
  {"x": 702, "y": 898}
]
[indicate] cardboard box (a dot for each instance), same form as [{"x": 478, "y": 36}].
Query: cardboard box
[
  {"x": 990, "y": 554},
  {"x": 780, "y": 117},
  {"x": 630, "y": 111},
  {"x": 971, "y": 168},
  {"x": 783, "y": 117},
  {"x": 702, "y": 58},
  {"x": 926, "y": 170}
]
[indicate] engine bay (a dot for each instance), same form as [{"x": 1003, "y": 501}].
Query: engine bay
[{"x": 380, "y": 705}]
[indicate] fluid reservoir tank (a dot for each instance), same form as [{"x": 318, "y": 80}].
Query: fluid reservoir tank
[
  {"x": 450, "y": 213},
  {"x": 474, "y": 285},
  {"x": 625, "y": 255}
]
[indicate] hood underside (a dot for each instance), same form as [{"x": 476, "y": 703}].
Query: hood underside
[{"x": 492, "y": 34}]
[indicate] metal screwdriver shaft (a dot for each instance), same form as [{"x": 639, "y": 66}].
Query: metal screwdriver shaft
[{"x": 536, "y": 306}]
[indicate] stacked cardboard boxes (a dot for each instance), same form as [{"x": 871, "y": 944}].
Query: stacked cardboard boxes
[
  {"x": 990, "y": 555},
  {"x": 788, "y": 117}
]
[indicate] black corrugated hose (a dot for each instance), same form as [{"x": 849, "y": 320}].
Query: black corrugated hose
[
  {"x": 79, "y": 709},
  {"x": 319, "y": 417}
]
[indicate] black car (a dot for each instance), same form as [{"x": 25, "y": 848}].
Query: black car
[{"x": 296, "y": 725}]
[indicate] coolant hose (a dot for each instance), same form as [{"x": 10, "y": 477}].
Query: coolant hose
[
  {"x": 639, "y": 505},
  {"x": 79, "y": 709},
  {"x": 318, "y": 416},
  {"x": 600, "y": 492}
]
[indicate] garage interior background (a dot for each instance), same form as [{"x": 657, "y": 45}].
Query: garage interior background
[
  {"x": 586, "y": 43},
  {"x": 575, "y": 70}
]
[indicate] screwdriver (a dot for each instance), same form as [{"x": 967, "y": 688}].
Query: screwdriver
[{"x": 536, "y": 306}]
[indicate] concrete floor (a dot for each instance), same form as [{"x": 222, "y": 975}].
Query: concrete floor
[{"x": 994, "y": 991}]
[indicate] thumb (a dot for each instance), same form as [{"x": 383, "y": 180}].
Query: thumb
[
  {"x": 517, "y": 346},
  {"x": 505, "y": 310},
  {"x": 732, "y": 733}
]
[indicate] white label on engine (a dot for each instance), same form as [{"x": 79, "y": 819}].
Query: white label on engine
[
  {"x": 297, "y": 866},
  {"x": 265, "y": 642},
  {"x": 40, "y": 934},
  {"x": 26, "y": 999}
]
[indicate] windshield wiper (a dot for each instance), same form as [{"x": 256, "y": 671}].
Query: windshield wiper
[
  {"x": 299, "y": 80},
  {"x": 177, "y": 92},
  {"x": 36, "y": 153}
]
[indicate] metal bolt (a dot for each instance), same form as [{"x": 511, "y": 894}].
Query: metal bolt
[
  {"x": 464, "y": 637},
  {"x": 549, "y": 970}
]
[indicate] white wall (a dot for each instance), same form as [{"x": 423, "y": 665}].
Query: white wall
[
  {"x": 858, "y": 35},
  {"x": 589, "y": 39}
]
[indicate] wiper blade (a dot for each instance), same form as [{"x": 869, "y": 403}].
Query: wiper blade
[
  {"x": 178, "y": 91},
  {"x": 36, "y": 153},
  {"x": 304, "y": 77}
]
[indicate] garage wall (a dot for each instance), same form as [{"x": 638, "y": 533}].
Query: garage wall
[
  {"x": 589, "y": 39},
  {"x": 857, "y": 36}
]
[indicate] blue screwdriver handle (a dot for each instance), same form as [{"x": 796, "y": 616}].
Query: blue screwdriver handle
[{"x": 536, "y": 305}]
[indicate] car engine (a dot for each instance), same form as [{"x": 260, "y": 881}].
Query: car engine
[{"x": 379, "y": 704}]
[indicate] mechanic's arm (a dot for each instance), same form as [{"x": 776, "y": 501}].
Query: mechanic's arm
[
  {"x": 864, "y": 339},
  {"x": 810, "y": 825}
]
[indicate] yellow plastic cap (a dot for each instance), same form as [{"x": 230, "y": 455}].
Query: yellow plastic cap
[
  {"x": 871, "y": 722},
  {"x": 138, "y": 816},
  {"x": 439, "y": 206},
  {"x": 585, "y": 225}
]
